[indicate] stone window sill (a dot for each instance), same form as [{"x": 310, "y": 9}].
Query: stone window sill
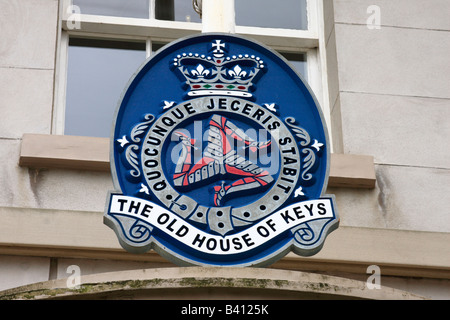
[{"x": 88, "y": 153}]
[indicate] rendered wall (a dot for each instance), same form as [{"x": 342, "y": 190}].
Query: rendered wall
[
  {"x": 394, "y": 101},
  {"x": 28, "y": 33}
]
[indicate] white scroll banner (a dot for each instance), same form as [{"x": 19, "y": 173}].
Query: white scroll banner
[{"x": 241, "y": 242}]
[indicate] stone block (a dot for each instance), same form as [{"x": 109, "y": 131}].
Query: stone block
[
  {"x": 397, "y": 130},
  {"x": 393, "y": 61},
  {"x": 73, "y": 190},
  {"x": 28, "y": 29},
  {"x": 419, "y": 14},
  {"x": 17, "y": 185},
  {"x": 406, "y": 198},
  {"x": 26, "y": 101},
  {"x": 18, "y": 271},
  {"x": 54, "y": 189}
]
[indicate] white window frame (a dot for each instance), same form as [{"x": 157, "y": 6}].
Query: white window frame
[{"x": 310, "y": 41}]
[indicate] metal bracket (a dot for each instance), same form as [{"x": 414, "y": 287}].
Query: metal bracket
[{"x": 197, "y": 4}]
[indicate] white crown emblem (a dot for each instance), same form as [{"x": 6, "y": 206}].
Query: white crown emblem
[{"x": 219, "y": 74}]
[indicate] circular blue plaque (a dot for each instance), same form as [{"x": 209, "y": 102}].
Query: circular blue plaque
[{"x": 219, "y": 156}]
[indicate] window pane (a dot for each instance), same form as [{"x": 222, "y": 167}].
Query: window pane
[
  {"x": 298, "y": 63},
  {"x": 289, "y": 14},
  {"x": 96, "y": 78},
  {"x": 184, "y": 11},
  {"x": 118, "y": 8},
  {"x": 176, "y": 10}
]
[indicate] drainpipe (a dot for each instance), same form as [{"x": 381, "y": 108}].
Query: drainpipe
[{"x": 217, "y": 15}]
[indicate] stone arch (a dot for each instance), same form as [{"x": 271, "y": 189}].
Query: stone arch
[{"x": 206, "y": 283}]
